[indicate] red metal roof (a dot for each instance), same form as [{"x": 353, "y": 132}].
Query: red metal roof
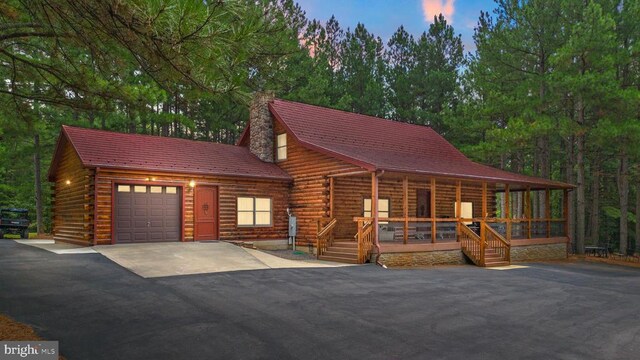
[
  {"x": 106, "y": 149},
  {"x": 380, "y": 144}
]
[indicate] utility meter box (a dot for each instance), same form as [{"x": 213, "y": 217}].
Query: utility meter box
[{"x": 293, "y": 226}]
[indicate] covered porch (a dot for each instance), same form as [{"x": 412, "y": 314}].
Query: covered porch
[{"x": 409, "y": 214}]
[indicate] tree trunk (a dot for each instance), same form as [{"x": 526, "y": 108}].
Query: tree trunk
[
  {"x": 37, "y": 183},
  {"x": 544, "y": 172},
  {"x": 571, "y": 198},
  {"x": 594, "y": 223},
  {"x": 580, "y": 193},
  {"x": 132, "y": 121},
  {"x": 535, "y": 208},
  {"x": 623, "y": 192},
  {"x": 165, "y": 126},
  {"x": 143, "y": 123},
  {"x": 518, "y": 204},
  {"x": 638, "y": 217}
]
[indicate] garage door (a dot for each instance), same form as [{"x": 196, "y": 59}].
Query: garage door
[{"x": 147, "y": 213}]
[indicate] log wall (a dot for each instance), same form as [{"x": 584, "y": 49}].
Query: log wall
[
  {"x": 309, "y": 194},
  {"x": 228, "y": 189},
  {"x": 72, "y": 203}
]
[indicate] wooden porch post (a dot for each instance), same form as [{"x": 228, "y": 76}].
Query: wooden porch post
[
  {"x": 331, "y": 185},
  {"x": 547, "y": 210},
  {"x": 484, "y": 220},
  {"x": 527, "y": 209},
  {"x": 507, "y": 210},
  {"x": 458, "y": 207},
  {"x": 484, "y": 201},
  {"x": 374, "y": 205},
  {"x": 433, "y": 210},
  {"x": 331, "y": 192},
  {"x": 405, "y": 207}
]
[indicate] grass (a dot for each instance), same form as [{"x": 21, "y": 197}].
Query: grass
[{"x": 32, "y": 235}]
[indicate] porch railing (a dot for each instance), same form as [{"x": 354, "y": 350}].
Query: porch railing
[
  {"x": 524, "y": 228},
  {"x": 472, "y": 245},
  {"x": 365, "y": 238},
  {"x": 325, "y": 235},
  {"x": 412, "y": 230},
  {"x": 494, "y": 240}
]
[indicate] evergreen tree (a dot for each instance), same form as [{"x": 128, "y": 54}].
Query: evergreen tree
[
  {"x": 361, "y": 74},
  {"x": 401, "y": 60}
]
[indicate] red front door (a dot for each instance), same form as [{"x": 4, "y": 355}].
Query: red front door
[{"x": 206, "y": 213}]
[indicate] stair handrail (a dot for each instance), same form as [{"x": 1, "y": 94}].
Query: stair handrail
[
  {"x": 494, "y": 240},
  {"x": 365, "y": 240},
  {"x": 324, "y": 237},
  {"x": 366, "y": 225},
  {"x": 472, "y": 245}
]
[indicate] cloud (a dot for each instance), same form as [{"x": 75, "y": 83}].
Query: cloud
[{"x": 431, "y": 8}]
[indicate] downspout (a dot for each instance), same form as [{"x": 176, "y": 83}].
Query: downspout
[{"x": 375, "y": 220}]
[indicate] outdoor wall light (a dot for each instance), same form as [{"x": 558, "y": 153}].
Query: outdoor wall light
[
  {"x": 153, "y": 179},
  {"x": 68, "y": 182},
  {"x": 192, "y": 183}
]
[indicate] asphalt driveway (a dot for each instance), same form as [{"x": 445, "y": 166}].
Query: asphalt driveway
[
  {"x": 182, "y": 258},
  {"x": 99, "y": 310}
]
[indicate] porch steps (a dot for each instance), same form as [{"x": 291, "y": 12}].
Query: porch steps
[
  {"x": 492, "y": 258},
  {"x": 342, "y": 251}
]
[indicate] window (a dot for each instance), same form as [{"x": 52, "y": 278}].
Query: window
[
  {"x": 467, "y": 211},
  {"x": 140, "y": 189},
  {"x": 254, "y": 211},
  {"x": 155, "y": 189},
  {"x": 124, "y": 188},
  {"x": 171, "y": 189},
  {"x": 383, "y": 208},
  {"x": 281, "y": 147}
]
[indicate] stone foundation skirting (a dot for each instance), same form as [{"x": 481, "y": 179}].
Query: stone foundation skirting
[
  {"x": 539, "y": 252},
  {"x": 399, "y": 259}
]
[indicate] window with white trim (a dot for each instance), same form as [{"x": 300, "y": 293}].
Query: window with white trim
[
  {"x": 383, "y": 208},
  {"x": 281, "y": 147},
  {"x": 254, "y": 211}
]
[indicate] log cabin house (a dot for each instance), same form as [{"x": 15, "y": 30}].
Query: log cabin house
[{"x": 359, "y": 187}]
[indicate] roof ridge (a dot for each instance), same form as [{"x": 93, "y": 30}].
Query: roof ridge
[
  {"x": 398, "y": 122},
  {"x": 143, "y": 135}
]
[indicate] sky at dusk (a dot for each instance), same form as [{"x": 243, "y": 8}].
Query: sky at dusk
[{"x": 383, "y": 17}]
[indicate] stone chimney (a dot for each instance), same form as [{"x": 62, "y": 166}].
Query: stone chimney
[{"x": 261, "y": 126}]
